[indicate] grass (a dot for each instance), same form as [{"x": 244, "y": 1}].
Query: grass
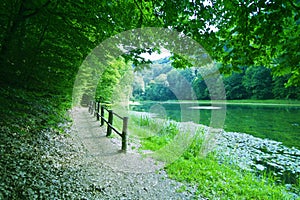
[
  {"x": 215, "y": 180},
  {"x": 255, "y": 117},
  {"x": 223, "y": 181},
  {"x": 162, "y": 138}
]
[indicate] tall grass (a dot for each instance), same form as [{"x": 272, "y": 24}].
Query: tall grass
[
  {"x": 223, "y": 181},
  {"x": 214, "y": 180}
]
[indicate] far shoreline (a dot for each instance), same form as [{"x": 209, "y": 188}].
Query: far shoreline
[{"x": 266, "y": 102}]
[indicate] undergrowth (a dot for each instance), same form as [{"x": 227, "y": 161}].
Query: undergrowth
[
  {"x": 222, "y": 180},
  {"x": 161, "y": 138},
  {"x": 214, "y": 180},
  {"x": 36, "y": 159}
]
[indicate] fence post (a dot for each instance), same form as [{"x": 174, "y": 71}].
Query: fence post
[
  {"x": 98, "y": 105},
  {"x": 110, "y": 122},
  {"x": 102, "y": 115},
  {"x": 90, "y": 107},
  {"x": 124, "y": 134},
  {"x": 95, "y": 109}
]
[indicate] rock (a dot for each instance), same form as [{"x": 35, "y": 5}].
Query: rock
[{"x": 250, "y": 153}]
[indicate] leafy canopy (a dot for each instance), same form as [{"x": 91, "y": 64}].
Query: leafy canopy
[
  {"x": 45, "y": 41},
  {"x": 241, "y": 33}
]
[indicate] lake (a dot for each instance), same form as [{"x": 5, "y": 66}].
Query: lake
[{"x": 273, "y": 121}]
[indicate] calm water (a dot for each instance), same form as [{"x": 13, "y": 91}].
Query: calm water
[{"x": 276, "y": 122}]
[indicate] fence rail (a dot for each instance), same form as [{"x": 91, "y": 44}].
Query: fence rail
[{"x": 98, "y": 110}]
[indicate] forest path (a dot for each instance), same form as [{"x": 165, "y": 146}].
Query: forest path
[{"x": 118, "y": 175}]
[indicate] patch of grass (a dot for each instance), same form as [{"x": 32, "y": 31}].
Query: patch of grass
[
  {"x": 224, "y": 181},
  {"x": 162, "y": 138},
  {"x": 143, "y": 126},
  {"x": 139, "y": 126},
  {"x": 215, "y": 180}
]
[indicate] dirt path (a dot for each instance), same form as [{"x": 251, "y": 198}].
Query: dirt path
[{"x": 116, "y": 175}]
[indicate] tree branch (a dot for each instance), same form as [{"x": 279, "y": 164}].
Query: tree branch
[
  {"x": 37, "y": 10},
  {"x": 142, "y": 14},
  {"x": 293, "y": 5}
]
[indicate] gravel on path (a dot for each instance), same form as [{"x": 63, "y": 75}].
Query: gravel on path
[{"x": 117, "y": 175}]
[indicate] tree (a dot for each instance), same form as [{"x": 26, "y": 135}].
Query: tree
[
  {"x": 200, "y": 88},
  {"x": 115, "y": 82},
  {"x": 38, "y": 38},
  {"x": 158, "y": 92},
  {"x": 138, "y": 86},
  {"x": 43, "y": 42},
  {"x": 234, "y": 86},
  {"x": 258, "y": 82},
  {"x": 282, "y": 92},
  {"x": 180, "y": 81},
  {"x": 241, "y": 33}
]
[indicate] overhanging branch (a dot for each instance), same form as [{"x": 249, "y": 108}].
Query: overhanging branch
[
  {"x": 37, "y": 10},
  {"x": 293, "y": 5}
]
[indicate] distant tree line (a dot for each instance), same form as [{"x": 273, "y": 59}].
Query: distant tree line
[{"x": 250, "y": 83}]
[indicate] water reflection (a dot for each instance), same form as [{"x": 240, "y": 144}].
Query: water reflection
[{"x": 280, "y": 123}]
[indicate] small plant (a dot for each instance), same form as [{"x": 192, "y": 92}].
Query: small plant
[
  {"x": 162, "y": 138},
  {"x": 144, "y": 121}
]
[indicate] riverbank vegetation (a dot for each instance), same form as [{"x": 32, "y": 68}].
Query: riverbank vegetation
[
  {"x": 258, "y": 102},
  {"x": 214, "y": 178},
  {"x": 255, "y": 117},
  {"x": 43, "y": 44}
]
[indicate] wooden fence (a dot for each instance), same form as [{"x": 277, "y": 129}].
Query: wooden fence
[{"x": 98, "y": 110}]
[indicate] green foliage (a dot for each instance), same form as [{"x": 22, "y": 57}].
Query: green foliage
[
  {"x": 162, "y": 138},
  {"x": 33, "y": 48},
  {"x": 213, "y": 179},
  {"x": 200, "y": 88},
  {"x": 26, "y": 108},
  {"x": 281, "y": 92},
  {"x": 248, "y": 83},
  {"x": 43, "y": 43},
  {"x": 258, "y": 82},
  {"x": 143, "y": 121},
  {"x": 114, "y": 82},
  {"x": 158, "y": 92},
  {"x": 180, "y": 62},
  {"x": 224, "y": 181},
  {"x": 142, "y": 127},
  {"x": 162, "y": 82},
  {"x": 234, "y": 86},
  {"x": 241, "y": 33}
]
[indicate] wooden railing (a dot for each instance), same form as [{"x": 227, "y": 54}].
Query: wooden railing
[{"x": 98, "y": 110}]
